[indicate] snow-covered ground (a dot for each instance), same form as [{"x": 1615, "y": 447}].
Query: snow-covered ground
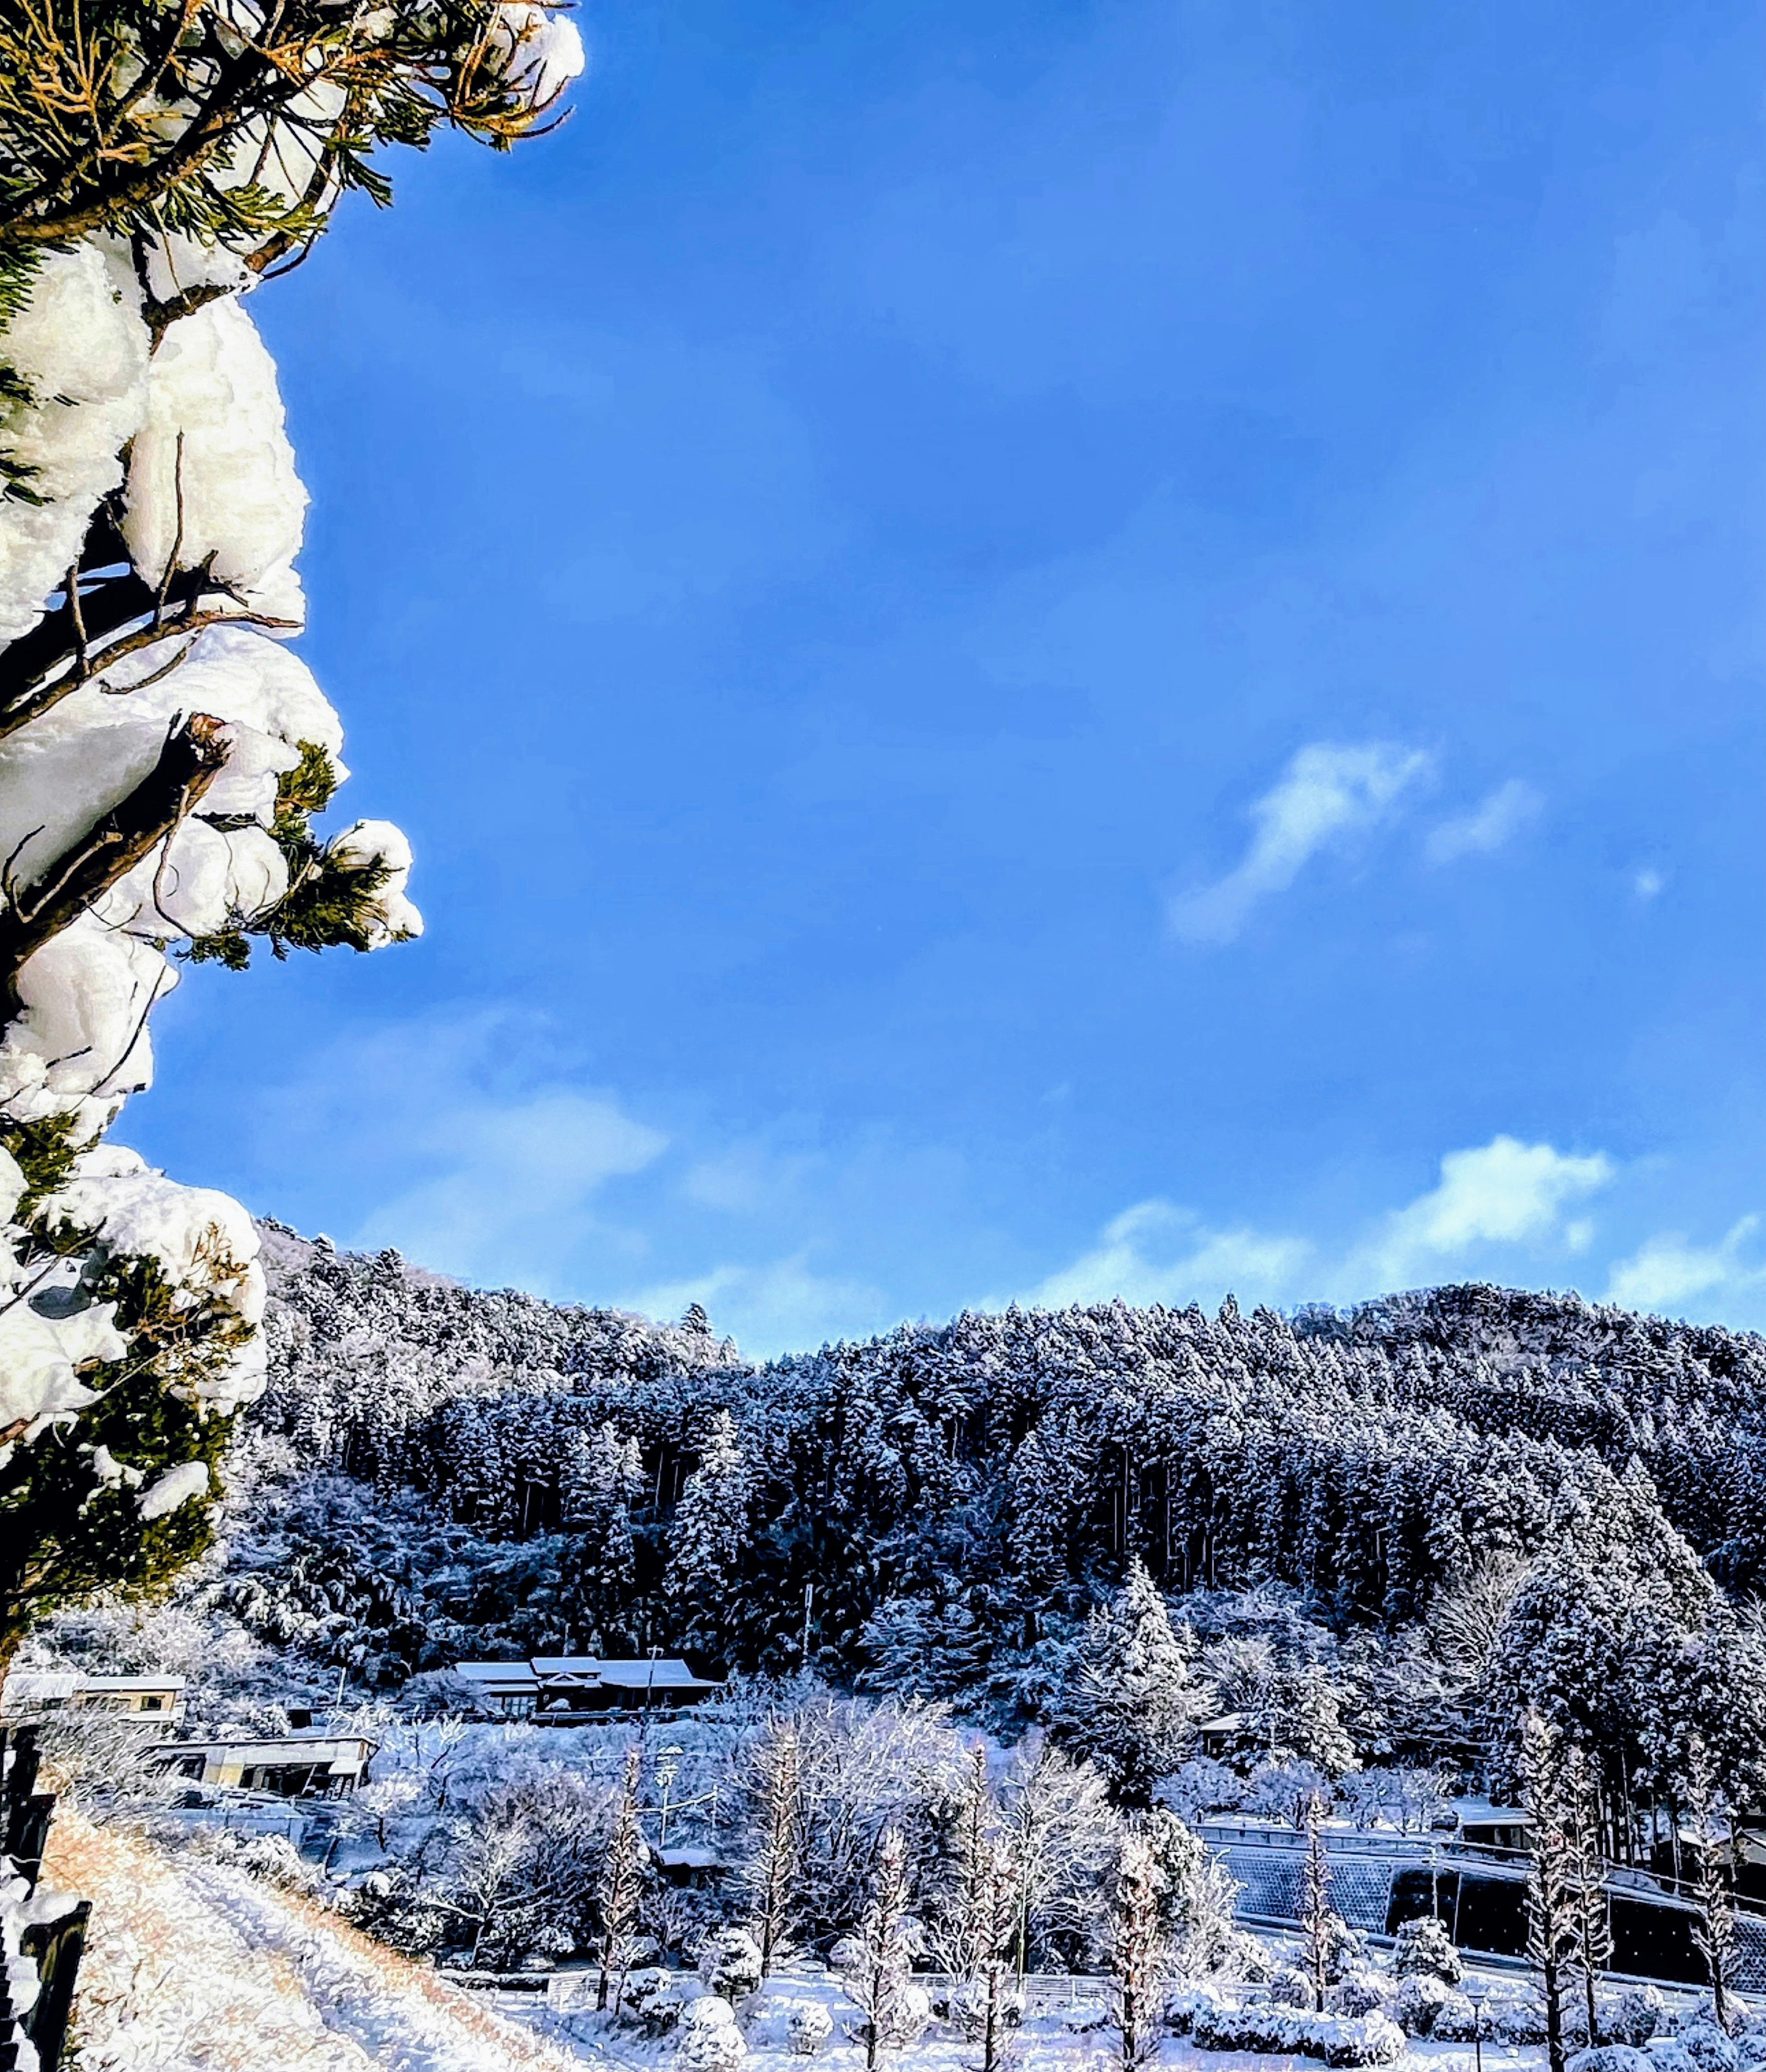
[
  {"x": 194, "y": 1967},
  {"x": 197, "y": 1965},
  {"x": 1066, "y": 2030}
]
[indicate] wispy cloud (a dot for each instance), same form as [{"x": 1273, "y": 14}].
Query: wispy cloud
[
  {"x": 1155, "y": 1252},
  {"x": 781, "y": 1306},
  {"x": 1492, "y": 1199},
  {"x": 481, "y": 1156},
  {"x": 1667, "y": 1271},
  {"x": 521, "y": 1178},
  {"x": 1492, "y": 823},
  {"x": 1328, "y": 795}
]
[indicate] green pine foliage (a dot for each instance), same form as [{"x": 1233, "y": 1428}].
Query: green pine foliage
[
  {"x": 329, "y": 903},
  {"x": 68, "y": 1528},
  {"x": 87, "y": 88},
  {"x": 44, "y": 1150}
]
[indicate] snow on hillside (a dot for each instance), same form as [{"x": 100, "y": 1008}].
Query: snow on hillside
[{"x": 194, "y": 1967}]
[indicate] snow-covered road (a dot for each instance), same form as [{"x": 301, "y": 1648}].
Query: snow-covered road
[{"x": 194, "y": 1967}]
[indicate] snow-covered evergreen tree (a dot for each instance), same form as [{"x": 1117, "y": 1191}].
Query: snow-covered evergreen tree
[
  {"x": 602, "y": 1474},
  {"x": 162, "y": 753},
  {"x": 1132, "y": 1706},
  {"x": 710, "y": 1532}
]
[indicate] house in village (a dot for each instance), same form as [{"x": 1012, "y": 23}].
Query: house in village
[
  {"x": 295, "y": 1766},
  {"x": 154, "y": 1700},
  {"x": 561, "y": 1690},
  {"x": 1217, "y": 1738}
]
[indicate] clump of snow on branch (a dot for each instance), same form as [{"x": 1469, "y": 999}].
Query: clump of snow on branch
[
  {"x": 150, "y": 525},
  {"x": 40, "y": 1356},
  {"x": 81, "y": 347},
  {"x": 541, "y": 53},
  {"x": 211, "y": 474},
  {"x": 377, "y": 844}
]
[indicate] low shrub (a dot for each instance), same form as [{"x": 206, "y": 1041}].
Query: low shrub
[
  {"x": 1373, "y": 2039},
  {"x": 1707, "y": 2046},
  {"x": 967, "y": 2006},
  {"x": 1183, "y": 2006},
  {"x": 1363, "y": 1992},
  {"x": 1516, "y": 2018},
  {"x": 1632, "y": 2016},
  {"x": 1423, "y": 1948},
  {"x": 1418, "y": 2002},
  {"x": 1611, "y": 2057},
  {"x": 786, "y": 2022},
  {"x": 730, "y": 1963},
  {"x": 707, "y": 2039},
  {"x": 653, "y": 2000},
  {"x": 1455, "y": 2021},
  {"x": 808, "y": 2028}
]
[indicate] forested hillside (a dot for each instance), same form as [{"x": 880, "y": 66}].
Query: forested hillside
[{"x": 1443, "y": 1493}]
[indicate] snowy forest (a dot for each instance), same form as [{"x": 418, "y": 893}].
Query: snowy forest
[{"x": 1412, "y": 1515}]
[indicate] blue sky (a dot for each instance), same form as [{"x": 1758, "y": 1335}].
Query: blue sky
[{"x": 1042, "y": 650}]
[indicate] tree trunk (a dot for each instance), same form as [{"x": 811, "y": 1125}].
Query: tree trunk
[{"x": 1554, "y": 2051}]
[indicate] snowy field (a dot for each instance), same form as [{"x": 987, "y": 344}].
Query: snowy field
[
  {"x": 197, "y": 1965},
  {"x": 1066, "y": 2026}
]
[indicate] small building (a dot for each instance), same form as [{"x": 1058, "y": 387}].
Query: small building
[
  {"x": 1218, "y": 1738},
  {"x": 157, "y": 1700},
  {"x": 1482, "y": 1826},
  {"x": 316, "y": 1766},
  {"x": 694, "y": 1868},
  {"x": 563, "y": 1689}
]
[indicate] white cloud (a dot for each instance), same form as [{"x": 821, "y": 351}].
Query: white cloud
[
  {"x": 1155, "y": 1252},
  {"x": 1505, "y": 1192},
  {"x": 1501, "y": 1194},
  {"x": 1666, "y": 1271},
  {"x": 1648, "y": 884},
  {"x": 520, "y": 1176},
  {"x": 780, "y": 1307},
  {"x": 749, "y": 1176},
  {"x": 1491, "y": 823},
  {"x": 1328, "y": 794},
  {"x": 477, "y": 1153}
]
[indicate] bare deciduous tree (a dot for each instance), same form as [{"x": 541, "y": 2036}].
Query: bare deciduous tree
[
  {"x": 1318, "y": 1919},
  {"x": 622, "y": 1887},
  {"x": 772, "y": 1874},
  {"x": 1591, "y": 1949},
  {"x": 1139, "y": 1955},
  {"x": 881, "y": 1980},
  {"x": 1713, "y": 1931},
  {"x": 1551, "y": 1908}
]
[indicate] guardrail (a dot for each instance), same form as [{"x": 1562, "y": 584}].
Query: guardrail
[
  {"x": 51, "y": 1941},
  {"x": 1451, "y": 1851}
]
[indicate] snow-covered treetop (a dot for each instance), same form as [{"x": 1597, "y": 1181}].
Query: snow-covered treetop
[{"x": 222, "y": 132}]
